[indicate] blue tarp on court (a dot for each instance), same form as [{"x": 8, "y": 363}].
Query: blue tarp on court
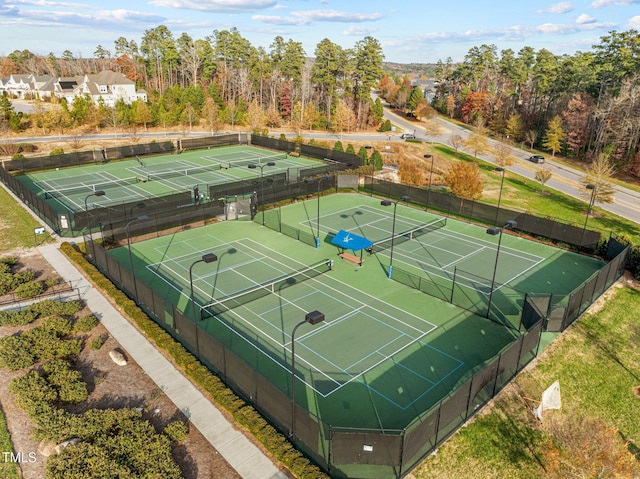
[{"x": 347, "y": 240}]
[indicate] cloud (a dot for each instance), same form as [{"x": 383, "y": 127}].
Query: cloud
[
  {"x": 216, "y": 5},
  {"x": 584, "y": 19},
  {"x": 634, "y": 23},
  {"x": 359, "y": 31},
  {"x": 308, "y": 17},
  {"x": 606, "y": 3},
  {"x": 561, "y": 7}
]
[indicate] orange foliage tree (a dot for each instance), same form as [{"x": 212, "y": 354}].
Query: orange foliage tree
[
  {"x": 463, "y": 179},
  {"x": 411, "y": 173},
  {"x": 476, "y": 104}
]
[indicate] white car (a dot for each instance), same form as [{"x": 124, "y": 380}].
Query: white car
[{"x": 408, "y": 136}]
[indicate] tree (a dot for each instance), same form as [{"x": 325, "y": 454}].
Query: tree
[
  {"x": 531, "y": 136},
  {"x": 542, "y": 176},
  {"x": 367, "y": 70},
  {"x": 411, "y": 173},
  {"x": 463, "y": 179},
  {"x": 211, "y": 114},
  {"x": 576, "y": 119},
  {"x": 456, "y": 141},
  {"x": 414, "y": 98},
  {"x": 432, "y": 129},
  {"x": 255, "y": 117},
  {"x": 515, "y": 127},
  {"x": 599, "y": 176},
  {"x": 503, "y": 154},
  {"x": 554, "y": 135},
  {"x": 477, "y": 141}
]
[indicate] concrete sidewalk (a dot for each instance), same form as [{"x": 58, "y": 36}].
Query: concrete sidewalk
[{"x": 239, "y": 452}]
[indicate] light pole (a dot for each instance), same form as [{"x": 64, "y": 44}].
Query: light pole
[
  {"x": 393, "y": 228},
  {"x": 86, "y": 209},
  {"x": 500, "y": 169},
  {"x": 591, "y": 187},
  {"x": 495, "y": 231},
  {"x": 427, "y": 156},
  {"x": 369, "y": 147},
  {"x": 206, "y": 258},
  {"x": 313, "y": 318},
  {"x": 253, "y": 166},
  {"x": 135, "y": 283},
  {"x": 309, "y": 180}
]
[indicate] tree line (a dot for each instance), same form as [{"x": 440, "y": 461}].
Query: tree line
[{"x": 580, "y": 105}]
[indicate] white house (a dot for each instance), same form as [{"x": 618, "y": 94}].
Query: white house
[{"x": 108, "y": 85}]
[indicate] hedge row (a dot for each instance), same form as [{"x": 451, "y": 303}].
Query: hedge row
[
  {"x": 245, "y": 415},
  {"x": 48, "y": 307}
]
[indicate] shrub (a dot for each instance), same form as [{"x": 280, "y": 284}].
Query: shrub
[
  {"x": 22, "y": 277},
  {"x": 27, "y": 147},
  {"x": 96, "y": 343},
  {"x": 30, "y": 289},
  {"x": 85, "y": 324},
  {"x": 17, "y": 156},
  {"x": 59, "y": 326},
  {"x": 176, "y": 431},
  {"x": 51, "y": 282},
  {"x": 17, "y": 318},
  {"x": 15, "y": 352},
  {"x": 56, "y": 151},
  {"x": 49, "y": 307},
  {"x": 9, "y": 260}
]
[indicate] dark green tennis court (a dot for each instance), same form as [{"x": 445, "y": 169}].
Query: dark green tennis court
[
  {"x": 385, "y": 352},
  {"x": 130, "y": 180}
]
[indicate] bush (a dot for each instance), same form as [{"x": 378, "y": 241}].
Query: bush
[
  {"x": 51, "y": 282},
  {"x": 385, "y": 126},
  {"x": 176, "y": 431},
  {"x": 59, "y": 326},
  {"x": 27, "y": 147},
  {"x": 49, "y": 307},
  {"x": 16, "y": 353},
  {"x": 56, "y": 151},
  {"x": 85, "y": 324},
  {"x": 30, "y": 289},
  {"x": 17, "y": 318},
  {"x": 17, "y": 156},
  {"x": 9, "y": 260},
  {"x": 96, "y": 343}
]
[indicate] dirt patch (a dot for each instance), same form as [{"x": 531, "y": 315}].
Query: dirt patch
[{"x": 110, "y": 386}]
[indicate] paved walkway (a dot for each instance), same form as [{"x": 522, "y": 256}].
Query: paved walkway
[{"x": 243, "y": 456}]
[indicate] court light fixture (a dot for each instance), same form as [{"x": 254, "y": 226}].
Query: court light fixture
[
  {"x": 499, "y": 169},
  {"x": 135, "y": 283},
  {"x": 428, "y": 156},
  {"x": 310, "y": 180},
  {"x": 592, "y": 187},
  {"x": 393, "y": 228},
  {"x": 312, "y": 318},
  {"x": 205, "y": 258},
  {"x": 86, "y": 208},
  {"x": 262, "y": 166},
  {"x": 493, "y": 231}
]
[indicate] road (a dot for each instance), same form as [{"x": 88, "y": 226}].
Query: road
[{"x": 565, "y": 179}]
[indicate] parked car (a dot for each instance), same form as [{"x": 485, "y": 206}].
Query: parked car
[
  {"x": 536, "y": 159},
  {"x": 408, "y": 136}
]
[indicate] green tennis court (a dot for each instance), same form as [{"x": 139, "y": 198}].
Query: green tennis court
[
  {"x": 385, "y": 352},
  {"x": 130, "y": 180}
]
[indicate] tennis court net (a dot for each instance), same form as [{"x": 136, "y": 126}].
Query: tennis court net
[
  {"x": 253, "y": 161},
  {"x": 408, "y": 235},
  {"x": 162, "y": 175},
  {"x": 84, "y": 188},
  {"x": 256, "y": 292}
]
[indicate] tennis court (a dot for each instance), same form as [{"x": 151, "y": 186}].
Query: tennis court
[{"x": 139, "y": 178}]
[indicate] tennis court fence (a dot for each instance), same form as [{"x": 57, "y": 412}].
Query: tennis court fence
[
  {"x": 340, "y": 451},
  {"x": 573, "y": 235},
  {"x": 507, "y": 305}
]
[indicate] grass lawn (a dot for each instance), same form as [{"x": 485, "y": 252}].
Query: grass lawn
[
  {"x": 16, "y": 224},
  {"x": 522, "y": 194},
  {"x": 597, "y": 362},
  {"x": 8, "y": 470}
]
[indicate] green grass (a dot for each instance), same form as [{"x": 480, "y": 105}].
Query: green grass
[
  {"x": 8, "y": 470},
  {"x": 16, "y": 224},
  {"x": 597, "y": 362},
  {"x": 522, "y": 194}
]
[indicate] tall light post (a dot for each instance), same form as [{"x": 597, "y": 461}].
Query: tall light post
[
  {"x": 427, "y": 156},
  {"x": 393, "y": 228},
  {"x": 313, "y": 318},
  {"x": 369, "y": 147},
  {"x": 135, "y": 283},
  {"x": 497, "y": 231},
  {"x": 501, "y": 170},
  {"x": 591, "y": 187},
  {"x": 206, "y": 258},
  {"x": 86, "y": 209},
  {"x": 309, "y": 180},
  {"x": 253, "y": 166}
]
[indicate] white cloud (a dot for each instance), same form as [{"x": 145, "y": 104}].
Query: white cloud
[
  {"x": 584, "y": 18},
  {"x": 308, "y": 17},
  {"x": 634, "y": 23},
  {"x": 606, "y": 3},
  {"x": 561, "y": 7},
  {"x": 216, "y": 5},
  {"x": 359, "y": 31}
]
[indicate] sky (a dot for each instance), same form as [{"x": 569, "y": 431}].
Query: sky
[{"x": 410, "y": 31}]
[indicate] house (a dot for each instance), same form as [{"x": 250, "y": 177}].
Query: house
[{"x": 107, "y": 85}]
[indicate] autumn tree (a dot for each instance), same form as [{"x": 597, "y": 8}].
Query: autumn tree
[
  {"x": 542, "y": 176},
  {"x": 554, "y": 135},
  {"x": 432, "y": 129},
  {"x": 576, "y": 121},
  {"x": 463, "y": 179},
  {"x": 515, "y": 127},
  {"x": 477, "y": 141},
  {"x": 456, "y": 141},
  {"x": 599, "y": 177},
  {"x": 255, "y": 117},
  {"x": 531, "y": 136},
  {"x": 411, "y": 172},
  {"x": 503, "y": 153}
]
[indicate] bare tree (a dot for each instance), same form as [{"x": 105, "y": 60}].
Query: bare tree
[{"x": 542, "y": 176}]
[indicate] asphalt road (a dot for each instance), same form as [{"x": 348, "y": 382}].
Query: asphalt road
[{"x": 565, "y": 179}]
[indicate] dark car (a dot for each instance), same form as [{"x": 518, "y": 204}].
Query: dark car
[
  {"x": 536, "y": 159},
  {"x": 408, "y": 136}
]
